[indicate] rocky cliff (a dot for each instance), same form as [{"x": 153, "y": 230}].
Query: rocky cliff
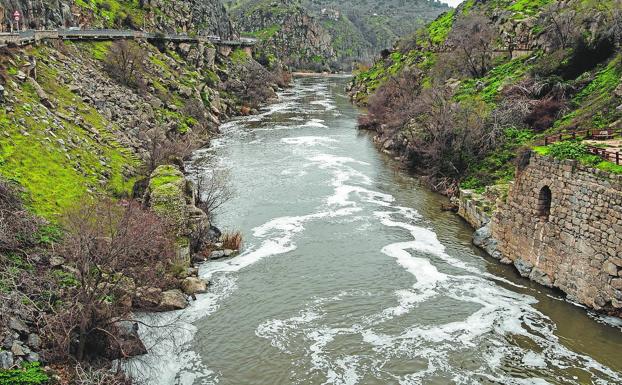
[
  {"x": 156, "y": 15},
  {"x": 288, "y": 32},
  {"x": 322, "y": 35}
]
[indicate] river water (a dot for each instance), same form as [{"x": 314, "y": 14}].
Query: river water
[{"x": 351, "y": 274}]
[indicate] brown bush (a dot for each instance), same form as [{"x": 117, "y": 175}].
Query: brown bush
[
  {"x": 107, "y": 247},
  {"x": 446, "y": 138},
  {"x": 231, "y": 240},
  {"x": 17, "y": 225},
  {"x": 171, "y": 148},
  {"x": 543, "y": 114},
  {"x": 125, "y": 63},
  {"x": 394, "y": 103}
]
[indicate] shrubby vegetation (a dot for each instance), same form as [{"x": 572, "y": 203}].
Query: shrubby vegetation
[{"x": 458, "y": 101}]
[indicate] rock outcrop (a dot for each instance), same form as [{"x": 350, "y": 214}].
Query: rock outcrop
[
  {"x": 338, "y": 33},
  {"x": 206, "y": 16}
]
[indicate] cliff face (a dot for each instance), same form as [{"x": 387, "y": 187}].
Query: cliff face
[
  {"x": 328, "y": 34},
  {"x": 179, "y": 16},
  {"x": 288, "y": 32}
]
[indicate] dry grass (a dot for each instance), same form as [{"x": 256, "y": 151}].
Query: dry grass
[{"x": 231, "y": 240}]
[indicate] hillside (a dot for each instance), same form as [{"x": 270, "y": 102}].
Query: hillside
[
  {"x": 461, "y": 98},
  {"x": 339, "y": 33},
  {"x": 93, "y": 139}
]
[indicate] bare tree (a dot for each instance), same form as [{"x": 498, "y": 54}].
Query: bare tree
[
  {"x": 473, "y": 39},
  {"x": 214, "y": 190},
  {"x": 446, "y": 138},
  {"x": 108, "y": 247},
  {"x": 561, "y": 24},
  {"x": 172, "y": 148},
  {"x": 17, "y": 225},
  {"x": 125, "y": 62},
  {"x": 393, "y": 103}
]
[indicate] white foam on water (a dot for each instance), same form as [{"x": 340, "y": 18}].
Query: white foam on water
[
  {"x": 309, "y": 140},
  {"x": 534, "y": 360},
  {"x": 487, "y": 321},
  {"x": 328, "y": 104},
  {"x": 313, "y": 123}
]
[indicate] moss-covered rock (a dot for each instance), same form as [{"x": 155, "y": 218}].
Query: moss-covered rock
[{"x": 167, "y": 197}]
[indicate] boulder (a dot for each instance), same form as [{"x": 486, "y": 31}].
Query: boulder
[
  {"x": 523, "y": 267},
  {"x": 193, "y": 285},
  {"x": 33, "y": 357},
  {"x": 19, "y": 350},
  {"x": 57, "y": 261},
  {"x": 34, "y": 341},
  {"x": 6, "y": 360},
  {"x": 217, "y": 254},
  {"x": 18, "y": 325},
  {"x": 173, "y": 300},
  {"x": 147, "y": 297}
]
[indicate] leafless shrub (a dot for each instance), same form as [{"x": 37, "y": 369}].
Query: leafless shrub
[
  {"x": 108, "y": 249},
  {"x": 232, "y": 240},
  {"x": 214, "y": 190},
  {"x": 195, "y": 109},
  {"x": 393, "y": 103},
  {"x": 253, "y": 85},
  {"x": 446, "y": 138},
  {"x": 171, "y": 148},
  {"x": 561, "y": 25},
  {"x": 88, "y": 375},
  {"x": 125, "y": 63},
  {"x": 17, "y": 225},
  {"x": 473, "y": 40}
]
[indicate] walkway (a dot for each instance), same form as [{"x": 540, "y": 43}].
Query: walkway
[{"x": 31, "y": 36}]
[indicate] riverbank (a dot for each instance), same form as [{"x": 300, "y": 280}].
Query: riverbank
[
  {"x": 86, "y": 141},
  {"x": 329, "y": 215}
]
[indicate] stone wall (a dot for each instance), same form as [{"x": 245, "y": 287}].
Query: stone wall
[{"x": 576, "y": 245}]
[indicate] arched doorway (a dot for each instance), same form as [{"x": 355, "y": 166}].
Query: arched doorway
[{"x": 544, "y": 203}]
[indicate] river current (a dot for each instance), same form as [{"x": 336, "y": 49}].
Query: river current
[{"x": 352, "y": 274}]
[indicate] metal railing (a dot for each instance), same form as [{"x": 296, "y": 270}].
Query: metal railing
[{"x": 30, "y": 36}]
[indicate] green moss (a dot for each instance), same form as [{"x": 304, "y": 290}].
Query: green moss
[
  {"x": 488, "y": 87},
  {"x": 164, "y": 175},
  {"x": 439, "y": 29},
  {"x": 265, "y": 33},
  {"x": 57, "y": 160},
  {"x": 28, "y": 374},
  {"x": 239, "y": 56},
  {"x": 167, "y": 195},
  {"x": 99, "y": 49},
  {"x": 577, "y": 151}
]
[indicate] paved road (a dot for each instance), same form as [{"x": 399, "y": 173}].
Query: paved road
[{"x": 26, "y": 37}]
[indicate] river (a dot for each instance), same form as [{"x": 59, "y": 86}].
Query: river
[{"x": 352, "y": 274}]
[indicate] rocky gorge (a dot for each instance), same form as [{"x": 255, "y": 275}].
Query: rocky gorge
[
  {"x": 549, "y": 209},
  {"x": 101, "y": 129}
]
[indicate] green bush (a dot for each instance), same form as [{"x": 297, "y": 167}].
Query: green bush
[
  {"x": 29, "y": 374},
  {"x": 568, "y": 150}
]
